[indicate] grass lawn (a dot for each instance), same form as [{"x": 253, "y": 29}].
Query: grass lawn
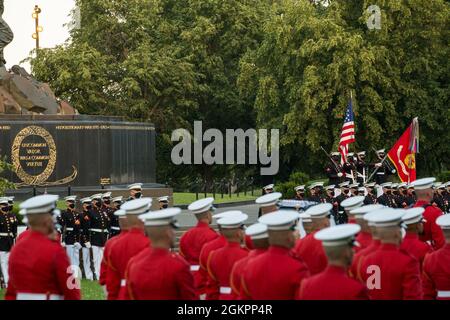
[
  {"x": 90, "y": 290},
  {"x": 187, "y": 198}
]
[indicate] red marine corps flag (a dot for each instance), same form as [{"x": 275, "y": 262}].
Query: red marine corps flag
[{"x": 403, "y": 154}]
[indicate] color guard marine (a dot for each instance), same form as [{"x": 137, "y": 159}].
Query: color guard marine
[
  {"x": 350, "y": 168},
  {"x": 330, "y": 198},
  {"x": 334, "y": 170},
  {"x": 361, "y": 167},
  {"x": 383, "y": 166}
]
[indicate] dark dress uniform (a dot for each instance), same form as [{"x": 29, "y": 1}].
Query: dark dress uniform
[
  {"x": 332, "y": 174},
  {"x": 7, "y": 236},
  {"x": 114, "y": 221},
  {"x": 383, "y": 172},
  {"x": 348, "y": 168},
  {"x": 387, "y": 200},
  {"x": 84, "y": 239},
  {"x": 70, "y": 221},
  {"x": 370, "y": 199},
  {"x": 341, "y": 217},
  {"x": 361, "y": 171},
  {"x": 71, "y": 226},
  {"x": 99, "y": 225},
  {"x": 335, "y": 210}
]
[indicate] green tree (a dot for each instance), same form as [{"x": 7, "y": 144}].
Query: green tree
[
  {"x": 165, "y": 61},
  {"x": 301, "y": 75},
  {"x": 4, "y": 183}
]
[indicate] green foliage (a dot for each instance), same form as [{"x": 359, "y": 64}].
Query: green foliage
[
  {"x": 299, "y": 177},
  {"x": 4, "y": 183},
  {"x": 287, "y": 189},
  {"x": 301, "y": 75},
  {"x": 287, "y": 64},
  {"x": 444, "y": 176}
]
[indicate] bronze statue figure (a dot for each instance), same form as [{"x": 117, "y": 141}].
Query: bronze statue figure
[{"x": 6, "y": 35}]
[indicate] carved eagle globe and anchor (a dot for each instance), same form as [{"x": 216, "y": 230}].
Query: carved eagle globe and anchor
[{"x": 34, "y": 147}]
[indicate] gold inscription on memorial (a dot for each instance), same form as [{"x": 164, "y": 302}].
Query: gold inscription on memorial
[{"x": 33, "y": 157}]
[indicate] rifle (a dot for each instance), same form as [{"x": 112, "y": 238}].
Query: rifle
[
  {"x": 376, "y": 169},
  {"x": 336, "y": 167}
]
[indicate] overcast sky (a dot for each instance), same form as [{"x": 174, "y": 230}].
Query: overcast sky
[{"x": 55, "y": 13}]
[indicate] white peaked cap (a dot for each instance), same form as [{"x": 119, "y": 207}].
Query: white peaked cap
[
  {"x": 320, "y": 210},
  {"x": 413, "y": 215},
  {"x": 387, "y": 217},
  {"x": 201, "y": 205},
  {"x": 337, "y": 235},
  {"x": 316, "y": 184},
  {"x": 70, "y": 198},
  {"x": 422, "y": 184},
  {"x": 137, "y": 206},
  {"x": 233, "y": 221},
  {"x": 304, "y": 217},
  {"x": 344, "y": 184},
  {"x": 257, "y": 231},
  {"x": 227, "y": 214},
  {"x": 366, "y": 209},
  {"x": 97, "y": 196},
  {"x": 117, "y": 199},
  {"x": 352, "y": 202},
  {"x": 163, "y": 199},
  {"x": 268, "y": 199},
  {"x": 39, "y": 204},
  {"x": 86, "y": 200},
  {"x": 135, "y": 186},
  {"x": 279, "y": 220},
  {"x": 443, "y": 221},
  {"x": 120, "y": 213},
  {"x": 160, "y": 218}
]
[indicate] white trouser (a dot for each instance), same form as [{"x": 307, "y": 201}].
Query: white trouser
[
  {"x": 73, "y": 254},
  {"x": 97, "y": 253},
  {"x": 87, "y": 264},
  {"x": 4, "y": 257}
]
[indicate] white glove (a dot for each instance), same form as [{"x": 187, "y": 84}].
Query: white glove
[
  {"x": 339, "y": 174},
  {"x": 63, "y": 244},
  {"x": 378, "y": 165},
  {"x": 87, "y": 245},
  {"x": 77, "y": 246},
  {"x": 394, "y": 171}
]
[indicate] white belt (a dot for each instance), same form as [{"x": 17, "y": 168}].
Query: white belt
[
  {"x": 195, "y": 267},
  {"x": 380, "y": 172},
  {"x": 115, "y": 228},
  {"x": 69, "y": 229},
  {"x": 123, "y": 282},
  {"x": 443, "y": 294},
  {"x": 38, "y": 296},
  {"x": 225, "y": 290},
  {"x": 99, "y": 230},
  {"x": 3, "y": 234}
]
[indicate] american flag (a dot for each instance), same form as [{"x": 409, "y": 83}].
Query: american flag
[{"x": 348, "y": 132}]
